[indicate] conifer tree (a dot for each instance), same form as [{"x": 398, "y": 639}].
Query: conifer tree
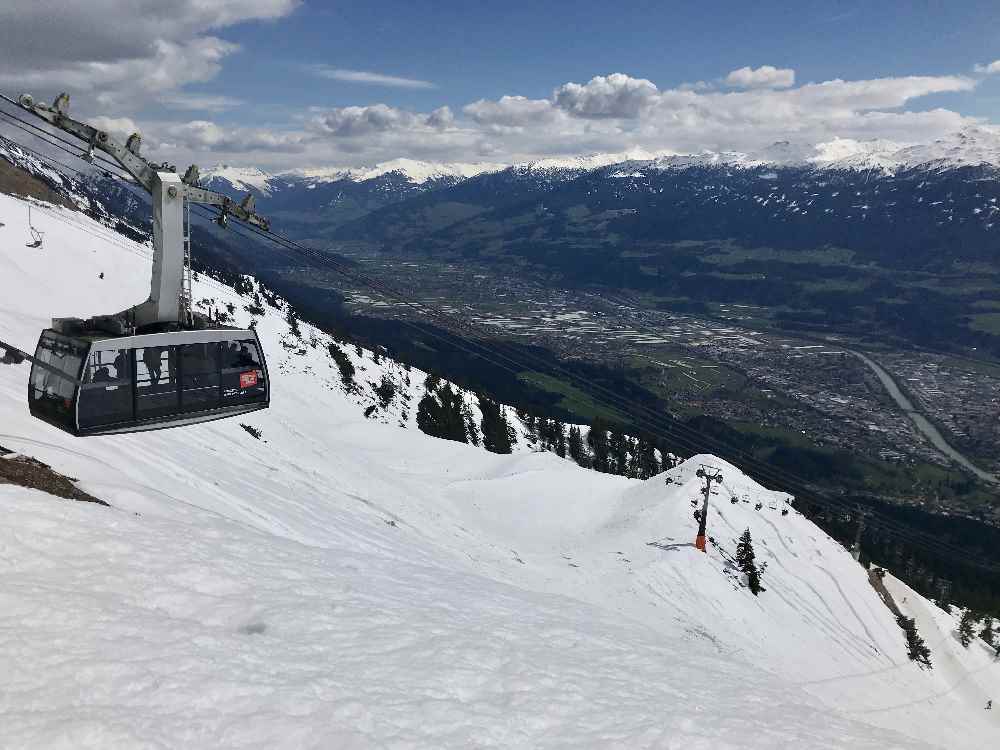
[
  {"x": 559, "y": 445},
  {"x": 471, "y": 430},
  {"x": 530, "y": 425},
  {"x": 576, "y": 448},
  {"x": 439, "y": 414},
  {"x": 646, "y": 463},
  {"x": 987, "y": 633},
  {"x": 293, "y": 321},
  {"x": 617, "y": 453},
  {"x": 597, "y": 440},
  {"x": 746, "y": 561},
  {"x": 385, "y": 391},
  {"x": 965, "y": 628},
  {"x": 916, "y": 648},
  {"x": 498, "y": 435},
  {"x": 343, "y": 364}
]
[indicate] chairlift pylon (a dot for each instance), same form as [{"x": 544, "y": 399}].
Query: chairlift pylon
[{"x": 36, "y": 236}]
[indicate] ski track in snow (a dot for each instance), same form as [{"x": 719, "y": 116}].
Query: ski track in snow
[{"x": 252, "y": 593}]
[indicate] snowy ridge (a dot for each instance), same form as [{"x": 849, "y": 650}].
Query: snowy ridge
[
  {"x": 417, "y": 172},
  {"x": 346, "y": 583},
  {"x": 968, "y": 147},
  {"x": 239, "y": 178}
]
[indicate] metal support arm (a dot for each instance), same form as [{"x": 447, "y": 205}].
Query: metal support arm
[{"x": 167, "y": 303}]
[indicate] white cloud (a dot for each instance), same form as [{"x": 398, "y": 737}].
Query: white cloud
[
  {"x": 609, "y": 114},
  {"x": 364, "y": 76},
  {"x": 200, "y": 102},
  {"x": 510, "y": 111},
  {"x": 352, "y": 122},
  {"x": 764, "y": 77},
  {"x": 988, "y": 68},
  {"x": 616, "y": 95},
  {"x": 121, "y": 54},
  {"x": 206, "y": 136},
  {"x": 120, "y": 127}
]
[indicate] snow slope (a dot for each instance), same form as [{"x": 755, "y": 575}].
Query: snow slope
[{"x": 345, "y": 582}]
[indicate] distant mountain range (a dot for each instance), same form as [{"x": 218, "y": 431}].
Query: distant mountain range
[
  {"x": 888, "y": 239},
  {"x": 312, "y": 203}
]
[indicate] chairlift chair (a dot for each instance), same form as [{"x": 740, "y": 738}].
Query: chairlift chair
[{"x": 36, "y": 236}]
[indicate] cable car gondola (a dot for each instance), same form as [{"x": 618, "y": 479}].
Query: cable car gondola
[
  {"x": 159, "y": 363},
  {"x": 101, "y": 385}
]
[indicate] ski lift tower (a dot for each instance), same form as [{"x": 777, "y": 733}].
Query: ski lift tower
[
  {"x": 709, "y": 474},
  {"x": 169, "y": 303}
]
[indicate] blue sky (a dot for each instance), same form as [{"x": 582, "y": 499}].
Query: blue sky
[
  {"x": 281, "y": 82},
  {"x": 485, "y": 50}
]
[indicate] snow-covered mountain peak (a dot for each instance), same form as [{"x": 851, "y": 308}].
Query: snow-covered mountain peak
[
  {"x": 417, "y": 172},
  {"x": 971, "y": 146},
  {"x": 587, "y": 162},
  {"x": 239, "y": 178}
]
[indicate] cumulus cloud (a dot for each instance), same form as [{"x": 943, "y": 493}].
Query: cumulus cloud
[
  {"x": 120, "y": 127},
  {"x": 987, "y": 68},
  {"x": 120, "y": 53},
  {"x": 353, "y": 122},
  {"x": 510, "y": 111},
  {"x": 615, "y": 113},
  {"x": 616, "y": 95},
  {"x": 206, "y": 136},
  {"x": 764, "y": 77},
  {"x": 364, "y": 76}
]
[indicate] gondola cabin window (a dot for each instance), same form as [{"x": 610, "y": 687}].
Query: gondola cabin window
[
  {"x": 156, "y": 391},
  {"x": 106, "y": 393},
  {"x": 200, "y": 376},
  {"x": 242, "y": 373},
  {"x": 51, "y": 392}
]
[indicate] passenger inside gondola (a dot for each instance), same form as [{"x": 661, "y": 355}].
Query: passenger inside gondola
[{"x": 151, "y": 358}]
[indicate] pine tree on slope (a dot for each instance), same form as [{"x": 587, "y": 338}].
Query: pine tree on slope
[
  {"x": 746, "y": 561},
  {"x": 498, "y": 435},
  {"x": 560, "y": 438},
  {"x": 987, "y": 633},
  {"x": 440, "y": 414},
  {"x": 965, "y": 628},
  {"x": 597, "y": 439},
  {"x": 644, "y": 458},
  {"x": 576, "y": 448}
]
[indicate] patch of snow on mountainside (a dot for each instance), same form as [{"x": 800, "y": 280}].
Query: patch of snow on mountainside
[
  {"x": 344, "y": 582},
  {"x": 972, "y": 146},
  {"x": 847, "y": 153},
  {"x": 239, "y": 178},
  {"x": 416, "y": 171},
  {"x": 593, "y": 161},
  {"x": 968, "y": 147}
]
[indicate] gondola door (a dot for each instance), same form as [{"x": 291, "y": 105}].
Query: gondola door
[{"x": 157, "y": 388}]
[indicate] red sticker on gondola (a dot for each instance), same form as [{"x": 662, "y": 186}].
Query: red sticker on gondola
[{"x": 248, "y": 379}]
